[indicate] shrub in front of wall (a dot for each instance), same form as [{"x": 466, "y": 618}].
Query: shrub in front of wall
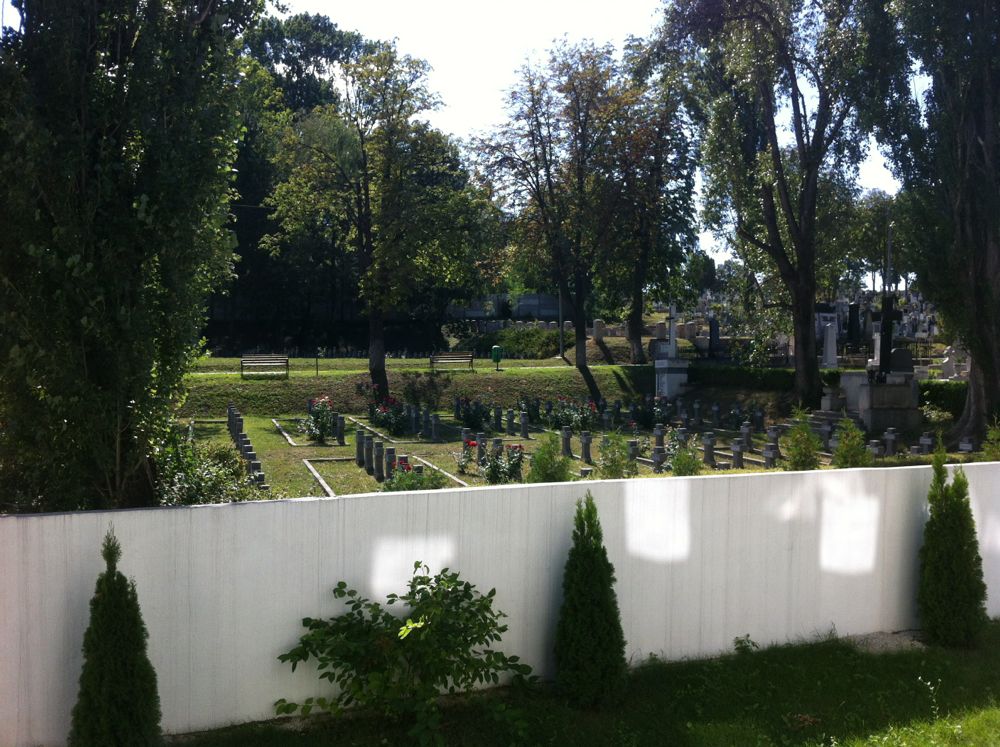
[
  {"x": 118, "y": 703},
  {"x": 404, "y": 477},
  {"x": 547, "y": 462},
  {"x": 951, "y": 595},
  {"x": 397, "y": 667},
  {"x": 851, "y": 449},
  {"x": 590, "y": 646}
]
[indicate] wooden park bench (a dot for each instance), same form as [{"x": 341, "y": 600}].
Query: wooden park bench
[
  {"x": 457, "y": 356},
  {"x": 263, "y": 364}
]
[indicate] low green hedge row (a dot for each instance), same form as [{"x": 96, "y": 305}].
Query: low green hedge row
[{"x": 762, "y": 379}]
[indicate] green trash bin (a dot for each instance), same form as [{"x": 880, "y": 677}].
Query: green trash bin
[{"x": 496, "y": 354}]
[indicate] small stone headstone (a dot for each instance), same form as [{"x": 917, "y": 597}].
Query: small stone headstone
[
  {"x": 658, "y": 432},
  {"x": 524, "y": 424},
  {"x": 659, "y": 457},
  {"x": 497, "y": 419},
  {"x": 716, "y": 410},
  {"x": 585, "y": 439},
  {"x": 511, "y": 429},
  {"x": 480, "y": 448},
  {"x": 708, "y": 443},
  {"x": 745, "y": 431},
  {"x": 567, "y": 446},
  {"x": 341, "y": 423},
  {"x": 359, "y": 447},
  {"x": 368, "y": 454},
  {"x": 737, "y": 448},
  {"x": 435, "y": 426},
  {"x": 390, "y": 460},
  {"x": 378, "y": 461}
]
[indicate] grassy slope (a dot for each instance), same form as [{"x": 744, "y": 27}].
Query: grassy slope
[
  {"x": 209, "y": 394},
  {"x": 818, "y": 694}
]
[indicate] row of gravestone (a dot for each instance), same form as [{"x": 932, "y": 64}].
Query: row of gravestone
[
  {"x": 377, "y": 459},
  {"x": 670, "y": 411},
  {"x": 889, "y": 444},
  {"x": 234, "y": 421}
]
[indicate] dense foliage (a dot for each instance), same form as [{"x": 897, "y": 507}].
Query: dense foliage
[
  {"x": 399, "y": 668},
  {"x": 405, "y": 478},
  {"x": 851, "y": 450},
  {"x": 118, "y": 704},
  {"x": 547, "y": 462},
  {"x": 800, "y": 445},
  {"x": 951, "y": 595},
  {"x": 614, "y": 463},
  {"x": 590, "y": 646},
  {"x": 113, "y": 217},
  {"x": 192, "y": 473}
]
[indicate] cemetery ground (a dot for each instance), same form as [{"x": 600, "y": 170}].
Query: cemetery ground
[
  {"x": 826, "y": 692},
  {"x": 264, "y": 401}
]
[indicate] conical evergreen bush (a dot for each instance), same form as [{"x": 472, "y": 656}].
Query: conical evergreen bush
[
  {"x": 952, "y": 594},
  {"x": 590, "y": 646},
  {"x": 118, "y": 704}
]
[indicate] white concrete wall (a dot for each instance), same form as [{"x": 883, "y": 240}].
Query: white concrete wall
[{"x": 699, "y": 561}]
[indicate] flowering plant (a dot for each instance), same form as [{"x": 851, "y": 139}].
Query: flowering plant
[
  {"x": 578, "y": 416},
  {"x": 504, "y": 465},
  {"x": 321, "y": 423},
  {"x": 390, "y": 415}
]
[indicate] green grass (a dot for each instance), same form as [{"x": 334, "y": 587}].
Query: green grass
[
  {"x": 824, "y": 693},
  {"x": 208, "y": 395}
]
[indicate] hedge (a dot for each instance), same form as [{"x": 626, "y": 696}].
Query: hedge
[{"x": 761, "y": 379}]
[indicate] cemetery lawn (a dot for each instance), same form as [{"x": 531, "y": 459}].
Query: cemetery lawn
[{"x": 824, "y": 693}]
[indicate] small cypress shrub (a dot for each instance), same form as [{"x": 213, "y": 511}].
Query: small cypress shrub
[
  {"x": 851, "y": 450},
  {"x": 118, "y": 703},
  {"x": 548, "y": 464},
  {"x": 590, "y": 645},
  {"x": 952, "y": 595},
  {"x": 801, "y": 445}
]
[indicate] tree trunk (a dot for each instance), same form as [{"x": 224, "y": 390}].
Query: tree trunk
[
  {"x": 635, "y": 329},
  {"x": 808, "y": 386},
  {"x": 981, "y": 403},
  {"x": 580, "y": 344},
  {"x": 376, "y": 353}
]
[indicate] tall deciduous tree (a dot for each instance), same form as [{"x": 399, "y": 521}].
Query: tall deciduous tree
[
  {"x": 950, "y": 160},
  {"x": 759, "y": 65},
  {"x": 386, "y": 191},
  {"x": 117, "y": 129},
  {"x": 545, "y": 160},
  {"x": 648, "y": 169}
]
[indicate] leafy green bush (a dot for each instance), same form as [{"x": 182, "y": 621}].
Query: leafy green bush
[
  {"x": 503, "y": 467},
  {"x": 404, "y": 477},
  {"x": 547, "y": 462},
  {"x": 991, "y": 446},
  {"x": 321, "y": 422},
  {"x": 951, "y": 596},
  {"x": 389, "y": 415},
  {"x": 851, "y": 450},
  {"x": 400, "y": 668},
  {"x": 425, "y": 388},
  {"x": 577, "y": 415},
  {"x": 118, "y": 703},
  {"x": 190, "y": 473},
  {"x": 800, "y": 445},
  {"x": 614, "y": 463},
  {"x": 944, "y": 395},
  {"x": 682, "y": 456},
  {"x": 590, "y": 646}
]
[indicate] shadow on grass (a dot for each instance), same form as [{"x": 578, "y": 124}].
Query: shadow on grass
[{"x": 789, "y": 695}]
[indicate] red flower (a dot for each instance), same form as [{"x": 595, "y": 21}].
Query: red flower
[
  {"x": 471, "y": 444},
  {"x": 406, "y": 467}
]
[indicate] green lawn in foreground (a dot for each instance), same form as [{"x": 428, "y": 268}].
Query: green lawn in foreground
[{"x": 824, "y": 693}]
